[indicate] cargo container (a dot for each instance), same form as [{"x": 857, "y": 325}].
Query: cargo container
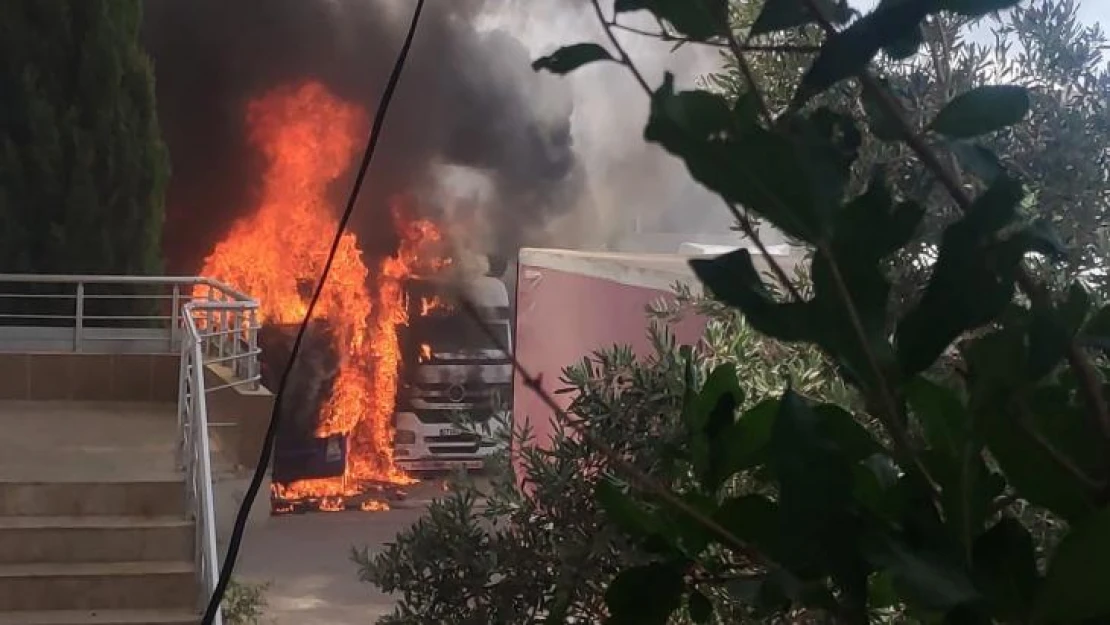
[{"x": 571, "y": 303}]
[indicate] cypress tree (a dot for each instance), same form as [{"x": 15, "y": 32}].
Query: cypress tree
[{"x": 82, "y": 163}]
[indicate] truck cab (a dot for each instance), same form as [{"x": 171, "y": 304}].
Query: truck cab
[{"x": 456, "y": 377}]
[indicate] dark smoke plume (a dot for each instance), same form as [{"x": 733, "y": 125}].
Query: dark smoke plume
[{"x": 467, "y": 98}]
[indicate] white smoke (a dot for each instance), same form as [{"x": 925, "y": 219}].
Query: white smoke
[{"x": 632, "y": 186}]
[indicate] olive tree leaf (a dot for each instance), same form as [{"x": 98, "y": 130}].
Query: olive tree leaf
[
  {"x": 982, "y": 110},
  {"x": 569, "y": 58},
  {"x": 1075, "y": 587},
  {"x": 785, "y": 14},
  {"x": 1004, "y": 565},
  {"x": 645, "y": 595},
  {"x": 697, "y": 19}
]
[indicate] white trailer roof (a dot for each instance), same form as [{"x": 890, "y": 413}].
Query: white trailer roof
[{"x": 655, "y": 271}]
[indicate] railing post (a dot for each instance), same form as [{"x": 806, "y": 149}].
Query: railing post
[
  {"x": 182, "y": 398},
  {"x": 253, "y": 369},
  {"x": 79, "y": 316},
  {"x": 175, "y": 319}
]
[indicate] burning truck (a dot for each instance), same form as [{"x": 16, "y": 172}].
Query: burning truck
[
  {"x": 452, "y": 397},
  {"x": 457, "y": 375},
  {"x": 391, "y": 366}
]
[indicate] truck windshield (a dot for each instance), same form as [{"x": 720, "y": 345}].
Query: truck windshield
[{"x": 454, "y": 334}]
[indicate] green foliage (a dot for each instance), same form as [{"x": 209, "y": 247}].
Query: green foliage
[
  {"x": 908, "y": 495},
  {"x": 82, "y": 163},
  {"x": 547, "y": 553},
  {"x": 244, "y": 603},
  {"x": 982, "y": 110}
]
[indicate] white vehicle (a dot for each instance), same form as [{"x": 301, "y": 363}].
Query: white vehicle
[{"x": 456, "y": 376}]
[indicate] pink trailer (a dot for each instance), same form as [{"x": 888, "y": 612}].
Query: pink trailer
[{"x": 570, "y": 303}]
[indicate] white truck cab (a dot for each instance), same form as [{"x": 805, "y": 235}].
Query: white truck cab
[{"x": 456, "y": 376}]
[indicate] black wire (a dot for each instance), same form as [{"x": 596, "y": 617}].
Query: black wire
[{"x": 268, "y": 443}]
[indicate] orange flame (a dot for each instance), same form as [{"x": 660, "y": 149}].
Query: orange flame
[
  {"x": 428, "y": 304},
  {"x": 425, "y": 352},
  {"x": 309, "y": 138}
]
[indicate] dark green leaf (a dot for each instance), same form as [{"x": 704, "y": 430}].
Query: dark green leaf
[
  {"x": 709, "y": 414},
  {"x": 733, "y": 279},
  {"x": 697, "y": 19},
  {"x": 1016, "y": 437},
  {"x": 1097, "y": 331},
  {"x": 843, "y": 430},
  {"x": 849, "y": 51},
  {"x": 885, "y": 127},
  {"x": 625, "y": 513},
  {"x": 815, "y": 486},
  {"x": 1075, "y": 587},
  {"x": 905, "y": 46},
  {"x": 881, "y": 591},
  {"x": 1053, "y": 328},
  {"x": 1043, "y": 238},
  {"x": 645, "y": 595},
  {"x": 982, "y": 110},
  {"x": 722, "y": 384},
  {"x": 1005, "y": 569},
  {"x": 569, "y": 58},
  {"x": 977, "y": 8},
  {"x": 747, "y": 165},
  {"x": 968, "y": 490},
  {"x": 753, "y": 519},
  {"x": 744, "y": 444},
  {"x": 942, "y": 415},
  {"x": 977, "y": 160},
  {"x": 928, "y": 580},
  {"x": 972, "y": 281},
  {"x": 785, "y": 14},
  {"x": 701, "y": 608}
]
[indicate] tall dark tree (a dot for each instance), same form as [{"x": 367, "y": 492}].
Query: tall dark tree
[{"x": 82, "y": 162}]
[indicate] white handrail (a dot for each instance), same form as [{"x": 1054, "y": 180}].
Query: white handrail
[{"x": 216, "y": 327}]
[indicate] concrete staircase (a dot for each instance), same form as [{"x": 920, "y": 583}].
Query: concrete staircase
[{"x": 93, "y": 524}]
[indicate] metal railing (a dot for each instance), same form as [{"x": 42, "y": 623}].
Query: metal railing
[{"x": 204, "y": 321}]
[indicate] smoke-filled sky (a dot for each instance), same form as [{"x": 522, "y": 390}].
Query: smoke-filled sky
[{"x": 521, "y": 157}]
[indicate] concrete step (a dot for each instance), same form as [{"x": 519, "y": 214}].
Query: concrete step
[
  {"x": 98, "y": 586},
  {"x": 30, "y": 539},
  {"x": 101, "y": 617},
  {"x": 158, "y": 496}
]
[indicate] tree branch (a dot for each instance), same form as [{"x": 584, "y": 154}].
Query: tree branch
[{"x": 663, "y": 35}]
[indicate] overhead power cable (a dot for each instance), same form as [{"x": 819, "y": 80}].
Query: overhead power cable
[{"x": 236, "y": 539}]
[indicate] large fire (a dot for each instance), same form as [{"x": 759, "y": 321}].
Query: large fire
[{"x": 309, "y": 138}]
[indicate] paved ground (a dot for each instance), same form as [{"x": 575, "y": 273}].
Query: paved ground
[{"x": 306, "y": 559}]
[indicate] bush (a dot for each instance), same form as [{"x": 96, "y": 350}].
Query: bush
[
  {"x": 244, "y": 603},
  {"x": 513, "y": 556}
]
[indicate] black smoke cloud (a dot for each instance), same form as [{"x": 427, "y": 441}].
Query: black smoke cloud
[{"x": 466, "y": 98}]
